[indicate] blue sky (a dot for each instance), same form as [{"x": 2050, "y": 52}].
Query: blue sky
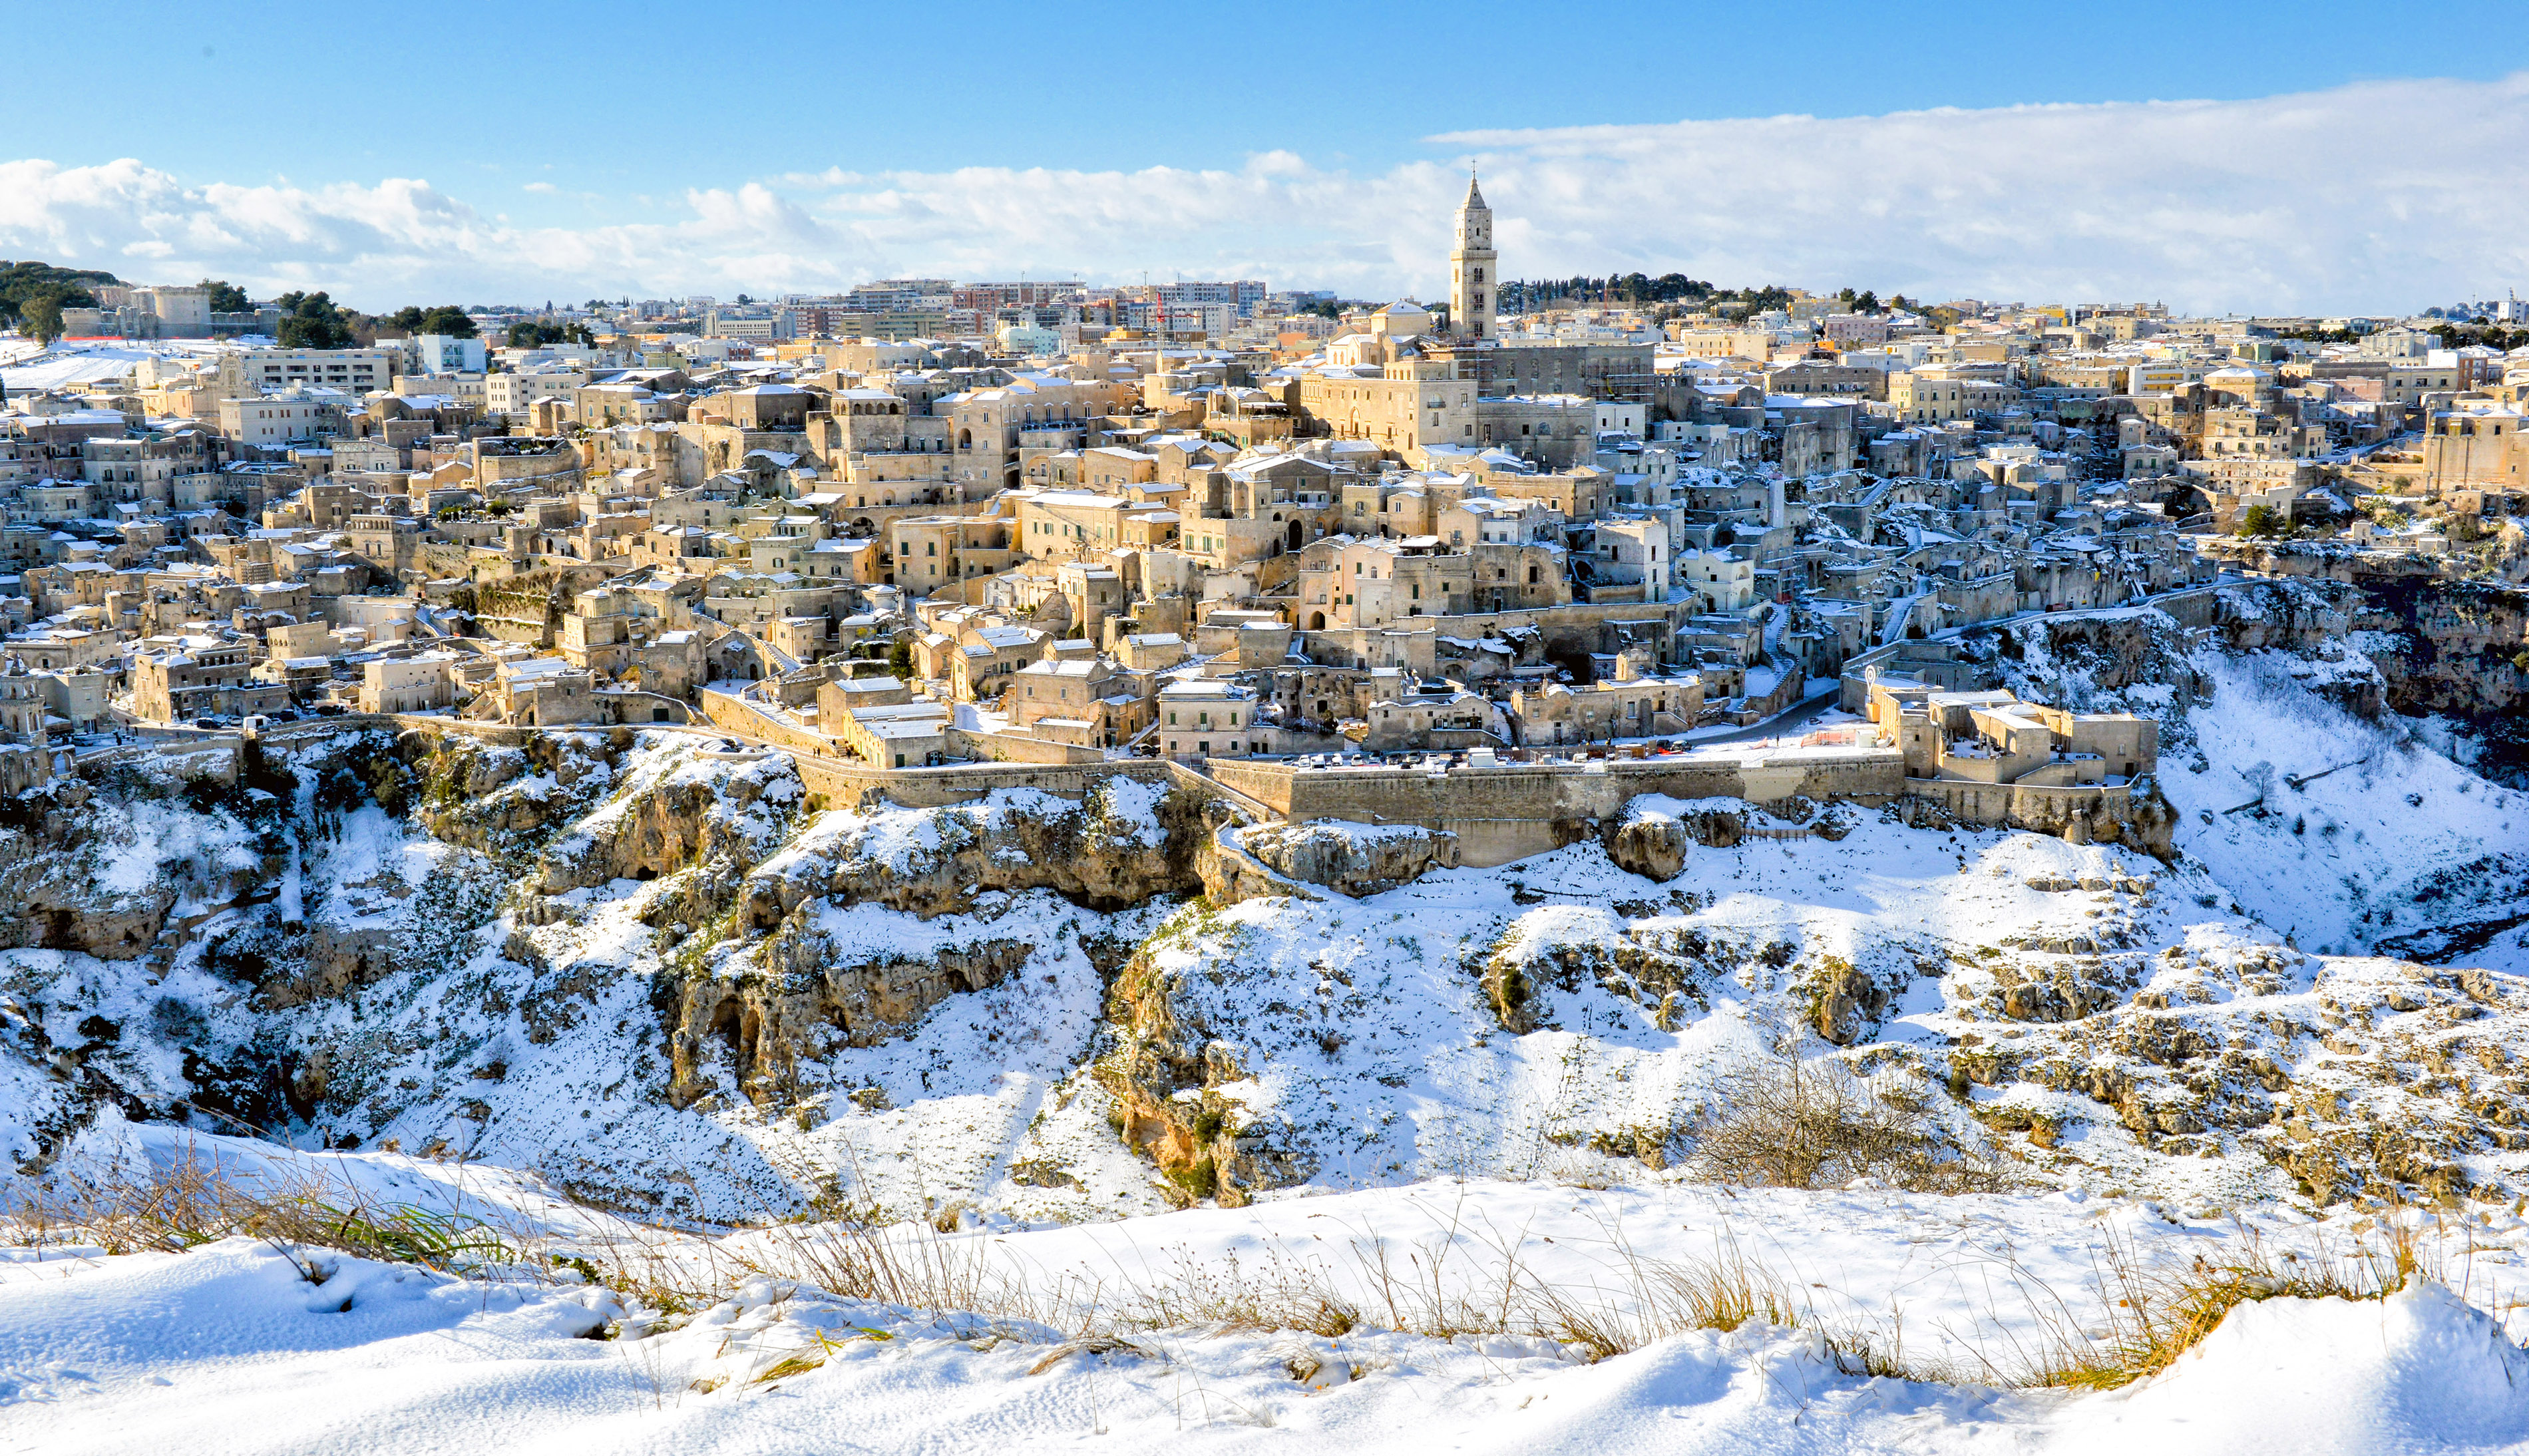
[{"x": 676, "y": 148}]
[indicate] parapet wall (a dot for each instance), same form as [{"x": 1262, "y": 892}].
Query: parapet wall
[
  {"x": 848, "y": 783},
  {"x": 1511, "y": 811},
  {"x": 738, "y": 715},
  {"x": 1499, "y": 813}
]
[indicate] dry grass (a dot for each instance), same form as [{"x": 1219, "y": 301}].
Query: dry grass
[
  {"x": 2153, "y": 1315},
  {"x": 193, "y": 1200},
  {"x": 1460, "y": 1280},
  {"x": 1463, "y": 1278},
  {"x": 1814, "y": 1124}
]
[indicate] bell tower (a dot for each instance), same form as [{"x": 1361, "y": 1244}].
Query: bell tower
[
  {"x": 1475, "y": 270},
  {"x": 21, "y": 720}
]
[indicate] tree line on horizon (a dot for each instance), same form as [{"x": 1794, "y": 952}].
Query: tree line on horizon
[{"x": 33, "y": 294}]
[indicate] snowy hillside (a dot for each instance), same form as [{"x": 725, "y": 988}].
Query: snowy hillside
[
  {"x": 2349, "y": 834},
  {"x": 2348, "y": 827},
  {"x": 632, "y": 1001},
  {"x": 636, "y": 966}
]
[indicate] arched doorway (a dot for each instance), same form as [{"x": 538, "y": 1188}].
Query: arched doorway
[
  {"x": 1316, "y": 622},
  {"x": 1294, "y": 533}
]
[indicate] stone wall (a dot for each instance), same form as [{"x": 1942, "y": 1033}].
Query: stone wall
[
  {"x": 2082, "y": 813},
  {"x": 735, "y": 714},
  {"x": 1509, "y": 812},
  {"x": 1022, "y": 749},
  {"x": 846, "y": 782},
  {"x": 1576, "y": 629}
]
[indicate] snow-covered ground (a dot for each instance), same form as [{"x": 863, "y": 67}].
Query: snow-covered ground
[
  {"x": 232, "y": 1348},
  {"x": 1369, "y": 1046},
  {"x": 2340, "y": 832}
]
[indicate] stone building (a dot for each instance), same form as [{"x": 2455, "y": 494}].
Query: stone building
[
  {"x": 25, "y": 746},
  {"x": 197, "y": 677},
  {"x": 1992, "y": 737},
  {"x": 1210, "y": 718}
]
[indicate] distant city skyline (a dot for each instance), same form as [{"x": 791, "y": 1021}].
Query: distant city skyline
[{"x": 2320, "y": 162}]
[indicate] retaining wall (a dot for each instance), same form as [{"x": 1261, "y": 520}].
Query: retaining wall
[
  {"x": 1513, "y": 810},
  {"x": 738, "y": 715}
]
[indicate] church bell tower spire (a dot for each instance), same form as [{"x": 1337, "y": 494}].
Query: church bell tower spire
[{"x": 1474, "y": 269}]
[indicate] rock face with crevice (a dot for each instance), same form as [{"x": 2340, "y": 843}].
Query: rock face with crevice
[
  {"x": 799, "y": 997},
  {"x": 1653, "y": 835},
  {"x": 1171, "y": 1077},
  {"x": 766, "y": 979},
  {"x": 1114, "y": 849},
  {"x": 1353, "y": 859}
]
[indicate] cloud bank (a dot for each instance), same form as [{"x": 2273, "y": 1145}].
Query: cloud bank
[{"x": 2371, "y": 197}]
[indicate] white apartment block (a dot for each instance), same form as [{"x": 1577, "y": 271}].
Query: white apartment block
[
  {"x": 358, "y": 370},
  {"x": 507, "y": 393},
  {"x": 445, "y": 353},
  {"x": 278, "y": 419}
]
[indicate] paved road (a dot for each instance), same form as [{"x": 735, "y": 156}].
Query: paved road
[{"x": 1791, "y": 719}]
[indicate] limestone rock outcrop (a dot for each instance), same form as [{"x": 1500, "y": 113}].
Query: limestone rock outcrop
[
  {"x": 1653, "y": 835},
  {"x": 1170, "y": 1078},
  {"x": 1353, "y": 859},
  {"x": 1114, "y": 849},
  {"x": 799, "y": 996}
]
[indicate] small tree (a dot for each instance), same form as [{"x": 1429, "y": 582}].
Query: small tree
[
  {"x": 312, "y": 321},
  {"x": 41, "y": 317},
  {"x": 226, "y": 297},
  {"x": 2261, "y": 519},
  {"x": 535, "y": 333}
]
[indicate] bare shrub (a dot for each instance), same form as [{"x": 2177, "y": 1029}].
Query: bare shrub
[{"x": 1814, "y": 1124}]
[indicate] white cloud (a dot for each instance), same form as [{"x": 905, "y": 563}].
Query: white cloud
[
  {"x": 539, "y": 187},
  {"x": 2381, "y": 195}
]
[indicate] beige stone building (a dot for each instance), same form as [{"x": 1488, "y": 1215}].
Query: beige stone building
[
  {"x": 1210, "y": 718},
  {"x": 2475, "y": 443},
  {"x": 1992, "y": 737}
]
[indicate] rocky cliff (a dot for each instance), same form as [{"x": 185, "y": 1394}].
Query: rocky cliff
[{"x": 638, "y": 965}]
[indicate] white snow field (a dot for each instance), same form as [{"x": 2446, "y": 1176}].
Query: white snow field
[{"x": 232, "y": 1348}]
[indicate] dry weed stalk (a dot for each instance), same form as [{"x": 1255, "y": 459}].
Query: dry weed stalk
[
  {"x": 194, "y": 1198},
  {"x": 1463, "y": 1278},
  {"x": 2154, "y": 1315}
]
